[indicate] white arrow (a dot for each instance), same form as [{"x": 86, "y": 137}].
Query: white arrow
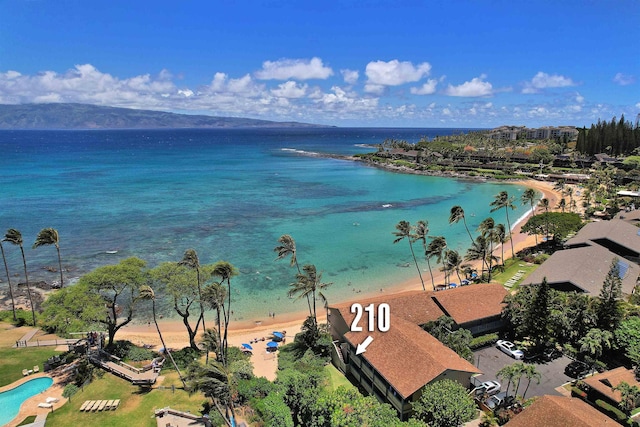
[{"x": 363, "y": 347}]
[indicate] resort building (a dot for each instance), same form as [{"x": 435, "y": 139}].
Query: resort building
[
  {"x": 560, "y": 411},
  {"x": 398, "y": 363},
  {"x": 584, "y": 264},
  {"x": 601, "y": 386},
  {"x": 511, "y": 133}
]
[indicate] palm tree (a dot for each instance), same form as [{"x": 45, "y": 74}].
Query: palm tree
[
  {"x": 501, "y": 237},
  {"x": 214, "y": 380},
  {"x": 287, "y": 247},
  {"x": 529, "y": 196},
  {"x": 508, "y": 373},
  {"x": 545, "y": 204},
  {"x": 436, "y": 248},
  {"x": 215, "y": 295},
  {"x": 502, "y": 200},
  {"x": 6, "y": 268},
  {"x": 308, "y": 283},
  {"x": 420, "y": 233},
  {"x": 147, "y": 293},
  {"x": 404, "y": 230},
  {"x": 478, "y": 251},
  {"x": 457, "y": 214},
  {"x": 569, "y": 192},
  {"x": 225, "y": 270},
  {"x": 595, "y": 342},
  {"x": 190, "y": 259},
  {"x": 487, "y": 229},
  {"x": 530, "y": 373},
  {"x": 630, "y": 396},
  {"x": 14, "y": 237},
  {"x": 49, "y": 236},
  {"x": 454, "y": 261},
  {"x": 562, "y": 204}
]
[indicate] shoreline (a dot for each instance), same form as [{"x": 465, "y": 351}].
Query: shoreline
[{"x": 174, "y": 332}]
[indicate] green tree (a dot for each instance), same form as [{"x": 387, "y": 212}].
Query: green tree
[
  {"x": 14, "y": 237},
  {"x": 307, "y": 284},
  {"x": 501, "y": 237},
  {"x": 287, "y": 247},
  {"x": 562, "y": 204},
  {"x": 6, "y": 269},
  {"x": 147, "y": 293},
  {"x": 69, "y": 391},
  {"x": 49, "y": 236},
  {"x": 274, "y": 411},
  {"x": 420, "y": 234},
  {"x": 215, "y": 381},
  {"x": 180, "y": 285},
  {"x": 457, "y": 214},
  {"x": 478, "y": 251},
  {"x": 215, "y": 295},
  {"x": 556, "y": 224},
  {"x": 538, "y": 313},
  {"x": 404, "y": 230},
  {"x": 502, "y": 200},
  {"x": 609, "y": 309},
  {"x": 225, "y": 270},
  {"x": 444, "y": 403},
  {"x": 487, "y": 229},
  {"x": 190, "y": 260},
  {"x": 630, "y": 396},
  {"x": 627, "y": 338},
  {"x": 595, "y": 343},
  {"x": 531, "y": 373},
  {"x": 436, "y": 248},
  {"x": 511, "y": 374}
]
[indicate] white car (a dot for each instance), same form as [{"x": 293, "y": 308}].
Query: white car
[
  {"x": 510, "y": 349},
  {"x": 491, "y": 387}
]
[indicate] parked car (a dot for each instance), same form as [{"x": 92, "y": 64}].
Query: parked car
[
  {"x": 510, "y": 349},
  {"x": 551, "y": 354},
  {"x": 577, "y": 369},
  {"x": 499, "y": 400},
  {"x": 486, "y": 388}
]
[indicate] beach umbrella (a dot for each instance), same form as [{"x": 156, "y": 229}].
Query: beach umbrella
[
  {"x": 247, "y": 346},
  {"x": 272, "y": 344},
  {"x": 453, "y": 285},
  {"x": 278, "y": 335}
]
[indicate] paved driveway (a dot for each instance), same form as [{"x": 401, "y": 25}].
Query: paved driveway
[{"x": 490, "y": 360}]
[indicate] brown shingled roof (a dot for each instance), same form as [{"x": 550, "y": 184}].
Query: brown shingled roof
[
  {"x": 606, "y": 381},
  {"x": 560, "y": 411},
  {"x": 469, "y": 303},
  {"x": 407, "y": 356},
  {"x": 415, "y": 306},
  {"x": 615, "y": 230}
]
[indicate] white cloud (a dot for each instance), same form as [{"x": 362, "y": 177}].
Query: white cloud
[
  {"x": 394, "y": 73},
  {"x": 543, "y": 80},
  {"x": 426, "y": 89},
  {"x": 298, "y": 69},
  {"x": 476, "y": 87},
  {"x": 623, "y": 79},
  {"x": 244, "y": 86},
  {"x": 290, "y": 89},
  {"x": 638, "y": 105},
  {"x": 579, "y": 98},
  {"x": 350, "y": 76}
]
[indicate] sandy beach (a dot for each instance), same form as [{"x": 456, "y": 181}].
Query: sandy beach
[{"x": 248, "y": 330}]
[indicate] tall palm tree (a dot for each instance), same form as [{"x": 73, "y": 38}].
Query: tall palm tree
[
  {"x": 436, "y": 248},
  {"x": 6, "y": 268},
  {"x": 190, "y": 259},
  {"x": 478, "y": 251},
  {"x": 225, "y": 270},
  {"x": 214, "y": 380},
  {"x": 502, "y": 200},
  {"x": 404, "y": 230},
  {"x": 531, "y": 373},
  {"x": 14, "y": 237},
  {"x": 501, "y": 237},
  {"x": 562, "y": 204},
  {"x": 509, "y": 373},
  {"x": 630, "y": 396},
  {"x": 147, "y": 293},
  {"x": 49, "y": 236},
  {"x": 308, "y": 283},
  {"x": 454, "y": 261},
  {"x": 545, "y": 204},
  {"x": 287, "y": 248},
  {"x": 487, "y": 229},
  {"x": 569, "y": 192},
  {"x": 420, "y": 234},
  {"x": 215, "y": 295},
  {"x": 529, "y": 196},
  {"x": 457, "y": 214}
]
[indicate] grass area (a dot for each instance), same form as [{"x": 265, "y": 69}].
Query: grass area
[
  {"x": 136, "y": 408},
  {"x": 9, "y": 334},
  {"x": 512, "y": 267},
  {"x": 336, "y": 378},
  {"x": 29, "y": 420},
  {"x": 14, "y": 360}
]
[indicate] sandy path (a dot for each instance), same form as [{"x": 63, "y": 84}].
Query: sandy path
[{"x": 244, "y": 332}]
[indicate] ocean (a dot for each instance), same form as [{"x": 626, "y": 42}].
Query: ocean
[{"x": 229, "y": 194}]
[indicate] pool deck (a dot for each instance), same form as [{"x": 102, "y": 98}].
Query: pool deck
[{"x": 30, "y": 406}]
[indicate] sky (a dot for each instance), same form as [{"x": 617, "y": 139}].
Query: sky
[{"x": 482, "y": 63}]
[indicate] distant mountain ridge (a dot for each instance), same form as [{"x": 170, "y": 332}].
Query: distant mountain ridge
[{"x": 86, "y": 116}]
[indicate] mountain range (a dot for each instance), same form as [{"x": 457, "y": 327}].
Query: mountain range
[{"x": 86, "y": 116}]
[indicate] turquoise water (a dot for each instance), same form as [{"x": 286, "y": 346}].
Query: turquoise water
[
  {"x": 229, "y": 194},
  {"x": 11, "y": 400}
]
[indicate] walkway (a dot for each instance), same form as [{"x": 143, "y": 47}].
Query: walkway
[
  {"x": 113, "y": 364},
  {"x": 25, "y": 341}
]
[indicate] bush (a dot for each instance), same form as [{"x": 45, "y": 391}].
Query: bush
[
  {"x": 138, "y": 354},
  {"x": 69, "y": 391},
  {"x": 255, "y": 388},
  {"x": 611, "y": 411},
  {"x": 576, "y": 392},
  {"x": 274, "y": 411},
  {"x": 185, "y": 357},
  {"x": 540, "y": 258},
  {"x": 483, "y": 341}
]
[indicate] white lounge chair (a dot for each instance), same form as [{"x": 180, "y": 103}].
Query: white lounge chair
[
  {"x": 45, "y": 405},
  {"x": 52, "y": 399}
]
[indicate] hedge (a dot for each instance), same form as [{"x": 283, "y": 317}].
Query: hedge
[
  {"x": 576, "y": 392},
  {"x": 483, "y": 341},
  {"x": 612, "y": 411}
]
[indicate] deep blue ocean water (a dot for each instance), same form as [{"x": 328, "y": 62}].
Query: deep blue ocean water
[{"x": 229, "y": 194}]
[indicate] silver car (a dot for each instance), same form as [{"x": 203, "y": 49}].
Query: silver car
[{"x": 510, "y": 349}]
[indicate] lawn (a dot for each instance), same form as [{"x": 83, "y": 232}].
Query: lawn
[
  {"x": 335, "y": 378},
  {"x": 14, "y": 360},
  {"x": 136, "y": 405},
  {"x": 512, "y": 267}
]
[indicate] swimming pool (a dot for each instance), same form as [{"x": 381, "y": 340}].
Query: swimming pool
[{"x": 11, "y": 400}]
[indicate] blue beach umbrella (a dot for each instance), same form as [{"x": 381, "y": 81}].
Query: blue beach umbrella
[
  {"x": 247, "y": 346},
  {"x": 278, "y": 335},
  {"x": 272, "y": 344}
]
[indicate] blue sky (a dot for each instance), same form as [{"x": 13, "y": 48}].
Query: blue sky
[{"x": 345, "y": 63}]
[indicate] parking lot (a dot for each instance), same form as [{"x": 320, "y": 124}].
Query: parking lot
[{"x": 490, "y": 360}]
